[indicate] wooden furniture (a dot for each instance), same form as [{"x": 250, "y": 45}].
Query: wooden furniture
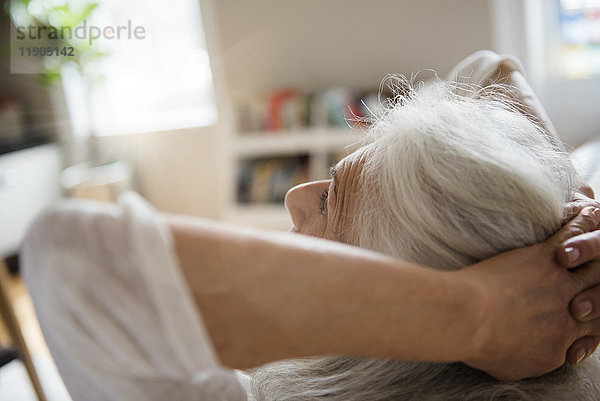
[{"x": 9, "y": 318}]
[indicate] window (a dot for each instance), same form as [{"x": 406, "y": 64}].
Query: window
[
  {"x": 155, "y": 76},
  {"x": 579, "y": 26}
]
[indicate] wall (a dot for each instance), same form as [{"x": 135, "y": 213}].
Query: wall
[
  {"x": 261, "y": 44},
  {"x": 176, "y": 171},
  {"x": 315, "y": 43},
  {"x": 573, "y": 108}
]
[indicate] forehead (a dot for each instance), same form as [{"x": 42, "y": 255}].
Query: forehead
[
  {"x": 349, "y": 167},
  {"x": 347, "y": 189},
  {"x": 358, "y": 156}
]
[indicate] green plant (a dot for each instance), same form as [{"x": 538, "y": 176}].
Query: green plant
[{"x": 58, "y": 17}]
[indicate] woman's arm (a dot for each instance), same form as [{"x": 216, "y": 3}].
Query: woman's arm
[{"x": 266, "y": 296}]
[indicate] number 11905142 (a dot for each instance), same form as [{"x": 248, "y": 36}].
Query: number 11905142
[{"x": 46, "y": 51}]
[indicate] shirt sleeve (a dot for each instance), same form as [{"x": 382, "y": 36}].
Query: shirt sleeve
[
  {"x": 486, "y": 67},
  {"x": 115, "y": 309}
]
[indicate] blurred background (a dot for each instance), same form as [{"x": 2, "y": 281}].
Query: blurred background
[{"x": 216, "y": 108}]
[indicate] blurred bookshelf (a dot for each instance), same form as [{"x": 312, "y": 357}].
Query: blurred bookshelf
[
  {"x": 267, "y": 166},
  {"x": 309, "y": 140},
  {"x": 286, "y": 138}
]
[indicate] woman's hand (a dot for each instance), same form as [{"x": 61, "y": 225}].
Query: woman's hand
[
  {"x": 506, "y": 315},
  {"x": 583, "y": 197},
  {"x": 580, "y": 247}
]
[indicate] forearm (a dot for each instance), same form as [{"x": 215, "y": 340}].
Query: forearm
[{"x": 266, "y": 297}]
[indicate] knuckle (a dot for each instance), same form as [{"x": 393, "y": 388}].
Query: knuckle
[
  {"x": 586, "y": 221},
  {"x": 590, "y": 328},
  {"x": 586, "y": 329},
  {"x": 589, "y": 217},
  {"x": 567, "y": 231},
  {"x": 594, "y": 328},
  {"x": 589, "y": 245},
  {"x": 594, "y": 243},
  {"x": 577, "y": 226},
  {"x": 570, "y": 210},
  {"x": 583, "y": 329}
]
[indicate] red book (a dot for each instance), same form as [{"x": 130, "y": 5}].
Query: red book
[{"x": 276, "y": 101}]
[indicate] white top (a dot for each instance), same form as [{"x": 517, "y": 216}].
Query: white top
[{"x": 114, "y": 308}]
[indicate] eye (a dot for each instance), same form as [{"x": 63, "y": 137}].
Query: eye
[{"x": 323, "y": 201}]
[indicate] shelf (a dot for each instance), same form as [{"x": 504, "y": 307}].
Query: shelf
[
  {"x": 270, "y": 217},
  {"x": 307, "y": 140},
  {"x": 14, "y": 145},
  {"x": 319, "y": 144}
]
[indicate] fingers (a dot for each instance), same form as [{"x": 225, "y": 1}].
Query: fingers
[
  {"x": 586, "y": 305},
  {"x": 587, "y": 220},
  {"x": 582, "y": 348},
  {"x": 579, "y": 250},
  {"x": 589, "y": 328},
  {"x": 578, "y": 242},
  {"x": 574, "y": 208},
  {"x": 581, "y": 244}
]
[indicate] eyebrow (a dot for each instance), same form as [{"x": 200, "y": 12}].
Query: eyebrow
[{"x": 333, "y": 170}]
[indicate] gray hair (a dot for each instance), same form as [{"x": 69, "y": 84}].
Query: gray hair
[{"x": 449, "y": 180}]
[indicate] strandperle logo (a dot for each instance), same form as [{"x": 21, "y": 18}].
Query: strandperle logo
[{"x": 89, "y": 33}]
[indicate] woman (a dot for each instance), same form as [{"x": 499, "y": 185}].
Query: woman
[
  {"x": 119, "y": 290},
  {"x": 446, "y": 181}
]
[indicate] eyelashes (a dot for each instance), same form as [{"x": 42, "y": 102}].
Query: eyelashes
[{"x": 323, "y": 201}]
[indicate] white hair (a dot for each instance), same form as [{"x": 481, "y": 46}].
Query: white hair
[
  {"x": 448, "y": 180},
  {"x": 461, "y": 178}
]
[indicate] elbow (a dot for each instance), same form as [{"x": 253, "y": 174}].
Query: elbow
[{"x": 60, "y": 244}]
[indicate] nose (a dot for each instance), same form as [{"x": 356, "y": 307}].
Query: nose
[{"x": 302, "y": 201}]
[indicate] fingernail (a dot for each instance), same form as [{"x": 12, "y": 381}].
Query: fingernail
[
  {"x": 584, "y": 309},
  {"x": 597, "y": 213},
  {"x": 580, "y": 354},
  {"x": 572, "y": 254}
]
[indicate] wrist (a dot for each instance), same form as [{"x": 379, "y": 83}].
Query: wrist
[
  {"x": 467, "y": 337},
  {"x": 451, "y": 306}
]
